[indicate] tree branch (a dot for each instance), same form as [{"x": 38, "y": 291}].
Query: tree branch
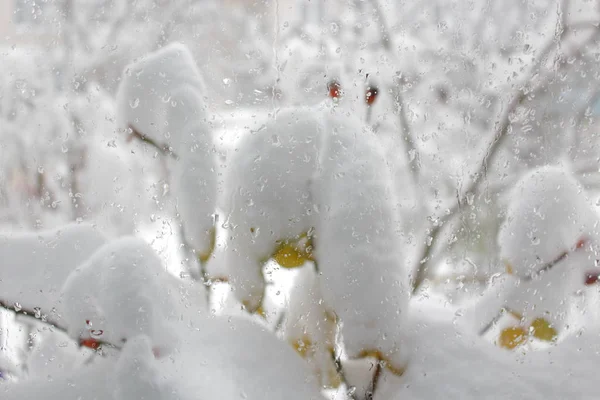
[
  {"x": 37, "y": 316},
  {"x": 387, "y": 43}
]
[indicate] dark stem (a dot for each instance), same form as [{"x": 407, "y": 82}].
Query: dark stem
[
  {"x": 340, "y": 370},
  {"x": 36, "y": 316},
  {"x": 164, "y": 149},
  {"x": 528, "y": 278}
]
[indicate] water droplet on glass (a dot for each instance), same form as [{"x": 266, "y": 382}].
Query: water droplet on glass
[
  {"x": 470, "y": 198},
  {"x": 134, "y": 103}
]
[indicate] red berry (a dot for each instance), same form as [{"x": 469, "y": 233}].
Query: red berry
[
  {"x": 89, "y": 343},
  {"x": 334, "y": 89},
  {"x": 591, "y": 278},
  {"x": 371, "y": 95},
  {"x": 580, "y": 243}
]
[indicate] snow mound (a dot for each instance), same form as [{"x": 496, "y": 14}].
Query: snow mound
[
  {"x": 451, "y": 363},
  {"x": 162, "y": 100},
  {"x": 267, "y": 196},
  {"x": 548, "y": 214},
  {"x": 88, "y": 383},
  {"x": 137, "y": 375},
  {"x": 40, "y": 262},
  {"x": 308, "y": 326},
  {"x": 147, "y": 93},
  {"x": 122, "y": 291},
  {"x": 232, "y": 358},
  {"x": 321, "y": 171},
  {"x": 549, "y": 241},
  {"x": 55, "y": 356},
  {"x": 358, "y": 246}
]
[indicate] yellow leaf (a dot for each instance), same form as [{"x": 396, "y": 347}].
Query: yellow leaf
[
  {"x": 542, "y": 330},
  {"x": 294, "y": 253},
  {"x": 512, "y": 337},
  {"x": 302, "y": 346},
  {"x": 204, "y": 256},
  {"x": 376, "y": 354}
]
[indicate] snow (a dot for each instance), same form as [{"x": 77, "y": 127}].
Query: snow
[
  {"x": 452, "y": 363},
  {"x": 358, "y": 246},
  {"x": 137, "y": 376},
  {"x": 285, "y": 180},
  {"x": 54, "y": 356},
  {"x": 307, "y": 67},
  {"x": 107, "y": 172},
  {"x": 40, "y": 262},
  {"x": 123, "y": 290},
  {"x": 548, "y": 215},
  {"x": 309, "y": 327},
  {"x": 229, "y": 358},
  {"x": 335, "y": 170},
  {"x": 266, "y": 196},
  {"x": 162, "y": 96},
  {"x": 232, "y": 358},
  {"x": 149, "y": 92},
  {"x": 89, "y": 383},
  {"x": 485, "y": 308}
]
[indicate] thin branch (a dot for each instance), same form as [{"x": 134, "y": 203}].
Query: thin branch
[
  {"x": 411, "y": 148},
  {"x": 387, "y": 43},
  {"x": 35, "y": 314},
  {"x": 578, "y": 120},
  {"x": 340, "y": 370},
  {"x": 164, "y": 149},
  {"x": 497, "y": 318},
  {"x": 530, "y": 277},
  {"x": 375, "y": 380},
  {"x": 386, "y": 37},
  {"x": 38, "y": 317}
]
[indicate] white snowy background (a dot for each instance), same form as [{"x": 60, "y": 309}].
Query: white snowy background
[{"x": 438, "y": 205}]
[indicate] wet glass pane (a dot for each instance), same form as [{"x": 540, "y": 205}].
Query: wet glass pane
[{"x": 289, "y": 199}]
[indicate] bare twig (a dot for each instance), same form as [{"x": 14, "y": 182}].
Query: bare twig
[
  {"x": 497, "y": 318},
  {"x": 201, "y": 275},
  {"x": 37, "y": 316},
  {"x": 340, "y": 370},
  {"x": 577, "y": 122},
  {"x": 164, "y": 149},
  {"x": 387, "y": 43},
  {"x": 411, "y": 148},
  {"x": 374, "y": 381},
  {"x": 530, "y": 277}
]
